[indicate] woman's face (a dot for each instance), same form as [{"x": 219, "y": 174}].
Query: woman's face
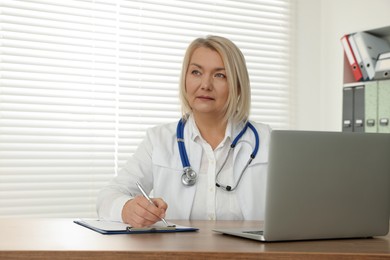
[{"x": 207, "y": 89}]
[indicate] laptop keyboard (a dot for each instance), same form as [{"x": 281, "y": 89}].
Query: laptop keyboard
[{"x": 255, "y": 232}]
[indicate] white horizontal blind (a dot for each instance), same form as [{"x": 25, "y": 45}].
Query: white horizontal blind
[
  {"x": 81, "y": 81},
  {"x": 57, "y": 104}
]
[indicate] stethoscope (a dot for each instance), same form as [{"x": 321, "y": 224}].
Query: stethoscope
[{"x": 189, "y": 176}]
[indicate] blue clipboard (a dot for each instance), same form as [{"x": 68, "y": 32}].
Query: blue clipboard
[{"x": 112, "y": 228}]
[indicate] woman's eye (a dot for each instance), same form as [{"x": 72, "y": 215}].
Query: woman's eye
[
  {"x": 195, "y": 72},
  {"x": 220, "y": 75}
]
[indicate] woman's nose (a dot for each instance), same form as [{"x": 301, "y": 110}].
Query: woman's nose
[{"x": 207, "y": 82}]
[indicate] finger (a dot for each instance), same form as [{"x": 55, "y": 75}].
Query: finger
[
  {"x": 150, "y": 212},
  {"x": 160, "y": 203},
  {"x": 147, "y": 210},
  {"x": 157, "y": 208}
]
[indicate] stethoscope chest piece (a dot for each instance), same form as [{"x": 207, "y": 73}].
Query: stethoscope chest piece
[{"x": 189, "y": 176}]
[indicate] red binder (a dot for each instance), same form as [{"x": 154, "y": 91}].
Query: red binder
[{"x": 357, "y": 73}]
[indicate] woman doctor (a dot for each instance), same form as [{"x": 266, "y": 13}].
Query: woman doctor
[{"x": 220, "y": 182}]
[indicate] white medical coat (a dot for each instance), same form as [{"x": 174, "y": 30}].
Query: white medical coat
[{"x": 157, "y": 165}]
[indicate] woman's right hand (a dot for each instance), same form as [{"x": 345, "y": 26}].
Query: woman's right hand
[{"x": 139, "y": 212}]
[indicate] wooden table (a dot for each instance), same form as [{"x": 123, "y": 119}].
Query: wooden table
[{"x": 62, "y": 239}]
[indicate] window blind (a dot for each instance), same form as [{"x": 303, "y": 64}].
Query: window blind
[{"x": 81, "y": 81}]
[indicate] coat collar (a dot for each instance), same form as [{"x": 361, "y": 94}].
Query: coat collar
[{"x": 195, "y": 133}]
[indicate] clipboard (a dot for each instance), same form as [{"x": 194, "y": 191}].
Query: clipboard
[{"x": 106, "y": 227}]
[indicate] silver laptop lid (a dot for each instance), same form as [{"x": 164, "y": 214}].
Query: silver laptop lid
[{"x": 327, "y": 185}]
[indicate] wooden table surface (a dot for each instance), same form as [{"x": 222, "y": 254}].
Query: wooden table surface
[{"x": 63, "y": 239}]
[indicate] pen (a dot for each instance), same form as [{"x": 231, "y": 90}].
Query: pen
[{"x": 150, "y": 201}]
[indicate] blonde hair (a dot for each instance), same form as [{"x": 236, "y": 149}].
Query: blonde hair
[{"x": 238, "y": 104}]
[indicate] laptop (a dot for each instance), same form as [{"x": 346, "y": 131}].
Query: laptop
[{"x": 324, "y": 185}]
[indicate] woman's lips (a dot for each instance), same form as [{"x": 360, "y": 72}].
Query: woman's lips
[{"x": 205, "y": 98}]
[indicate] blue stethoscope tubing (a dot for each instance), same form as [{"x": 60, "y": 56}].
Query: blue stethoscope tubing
[{"x": 189, "y": 175}]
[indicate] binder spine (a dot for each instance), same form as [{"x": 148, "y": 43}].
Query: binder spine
[
  {"x": 384, "y": 106},
  {"x": 371, "y": 107},
  {"x": 358, "y": 57},
  {"x": 358, "y": 108},
  {"x": 351, "y": 58},
  {"x": 347, "y": 124}
]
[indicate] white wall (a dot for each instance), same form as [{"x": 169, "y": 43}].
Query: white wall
[{"x": 319, "y": 55}]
